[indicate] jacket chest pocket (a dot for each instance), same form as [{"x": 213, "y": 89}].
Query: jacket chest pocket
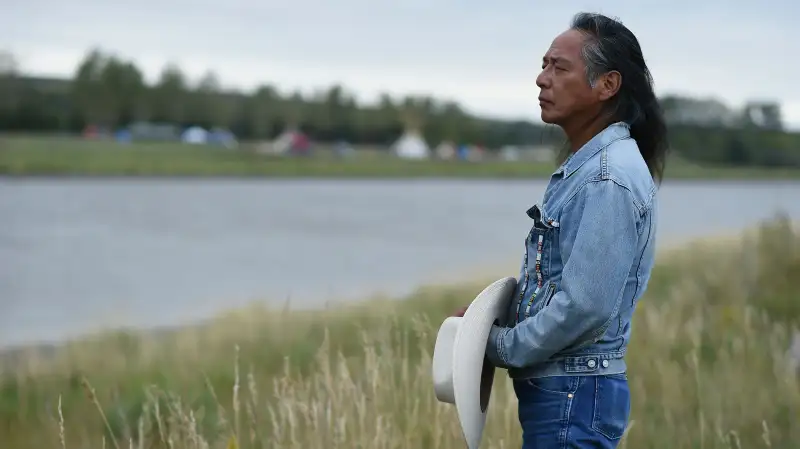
[{"x": 535, "y": 288}]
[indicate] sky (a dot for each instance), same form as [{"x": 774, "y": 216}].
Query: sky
[{"x": 485, "y": 55}]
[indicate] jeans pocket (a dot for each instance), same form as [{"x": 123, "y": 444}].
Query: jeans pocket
[
  {"x": 612, "y": 403},
  {"x": 555, "y": 384}
]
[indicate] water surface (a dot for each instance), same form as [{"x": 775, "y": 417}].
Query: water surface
[{"x": 79, "y": 254}]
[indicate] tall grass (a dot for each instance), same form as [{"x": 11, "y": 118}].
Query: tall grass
[{"x": 707, "y": 370}]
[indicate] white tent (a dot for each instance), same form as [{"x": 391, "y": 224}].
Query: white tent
[
  {"x": 283, "y": 142},
  {"x": 446, "y": 150},
  {"x": 195, "y": 135},
  {"x": 411, "y": 145},
  {"x": 509, "y": 153}
]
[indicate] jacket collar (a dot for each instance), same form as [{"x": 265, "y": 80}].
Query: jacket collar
[{"x": 615, "y": 131}]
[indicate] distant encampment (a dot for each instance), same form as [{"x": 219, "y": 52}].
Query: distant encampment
[{"x": 109, "y": 97}]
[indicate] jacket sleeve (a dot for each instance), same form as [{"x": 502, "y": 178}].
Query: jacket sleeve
[{"x": 598, "y": 242}]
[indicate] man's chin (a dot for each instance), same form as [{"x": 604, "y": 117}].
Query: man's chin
[{"x": 550, "y": 119}]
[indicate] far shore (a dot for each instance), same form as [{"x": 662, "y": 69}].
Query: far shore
[{"x": 41, "y": 157}]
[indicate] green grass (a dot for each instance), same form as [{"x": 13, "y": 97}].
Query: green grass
[
  {"x": 38, "y": 156},
  {"x": 706, "y": 366}
]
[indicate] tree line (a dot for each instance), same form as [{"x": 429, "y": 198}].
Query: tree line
[{"x": 110, "y": 92}]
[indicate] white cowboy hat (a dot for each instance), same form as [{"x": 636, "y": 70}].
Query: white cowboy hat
[{"x": 459, "y": 374}]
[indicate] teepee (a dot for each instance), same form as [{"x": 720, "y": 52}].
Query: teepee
[{"x": 412, "y": 144}]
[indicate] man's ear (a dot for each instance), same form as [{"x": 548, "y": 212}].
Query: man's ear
[{"x": 608, "y": 85}]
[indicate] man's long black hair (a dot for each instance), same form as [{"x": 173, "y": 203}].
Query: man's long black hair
[{"x": 612, "y": 46}]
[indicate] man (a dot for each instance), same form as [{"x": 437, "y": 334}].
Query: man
[{"x": 590, "y": 250}]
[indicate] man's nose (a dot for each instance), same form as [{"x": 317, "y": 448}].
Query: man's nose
[{"x": 542, "y": 81}]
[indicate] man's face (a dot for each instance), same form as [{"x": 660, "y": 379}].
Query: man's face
[{"x": 565, "y": 92}]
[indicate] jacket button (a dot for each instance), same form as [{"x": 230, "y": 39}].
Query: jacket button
[
  {"x": 605, "y": 363},
  {"x": 591, "y": 363}
]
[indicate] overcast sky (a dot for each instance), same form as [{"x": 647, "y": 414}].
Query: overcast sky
[{"x": 484, "y": 54}]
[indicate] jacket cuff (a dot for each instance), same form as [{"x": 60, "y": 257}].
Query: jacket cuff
[{"x": 495, "y": 346}]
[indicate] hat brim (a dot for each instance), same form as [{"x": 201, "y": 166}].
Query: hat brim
[{"x": 472, "y": 376}]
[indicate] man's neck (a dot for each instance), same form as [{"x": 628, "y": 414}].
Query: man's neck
[{"x": 583, "y": 130}]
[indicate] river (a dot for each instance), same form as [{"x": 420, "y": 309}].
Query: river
[{"x": 80, "y": 254}]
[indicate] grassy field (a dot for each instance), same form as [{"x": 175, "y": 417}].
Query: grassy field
[
  {"x": 27, "y": 156},
  {"x": 707, "y": 370}
]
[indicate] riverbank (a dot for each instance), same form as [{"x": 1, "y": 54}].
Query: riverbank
[
  {"x": 707, "y": 369},
  {"x": 73, "y": 157}
]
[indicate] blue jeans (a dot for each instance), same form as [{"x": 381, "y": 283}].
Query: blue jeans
[{"x": 574, "y": 412}]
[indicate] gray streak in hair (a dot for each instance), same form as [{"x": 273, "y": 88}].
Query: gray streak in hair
[{"x": 608, "y": 46}]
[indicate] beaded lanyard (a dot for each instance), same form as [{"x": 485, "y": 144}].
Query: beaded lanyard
[
  {"x": 524, "y": 283},
  {"x": 539, "y": 279}
]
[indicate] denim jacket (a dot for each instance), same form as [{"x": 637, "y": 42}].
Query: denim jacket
[{"x": 588, "y": 258}]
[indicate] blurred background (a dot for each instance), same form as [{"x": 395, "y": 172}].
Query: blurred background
[
  {"x": 167, "y": 161},
  {"x": 434, "y": 102}
]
